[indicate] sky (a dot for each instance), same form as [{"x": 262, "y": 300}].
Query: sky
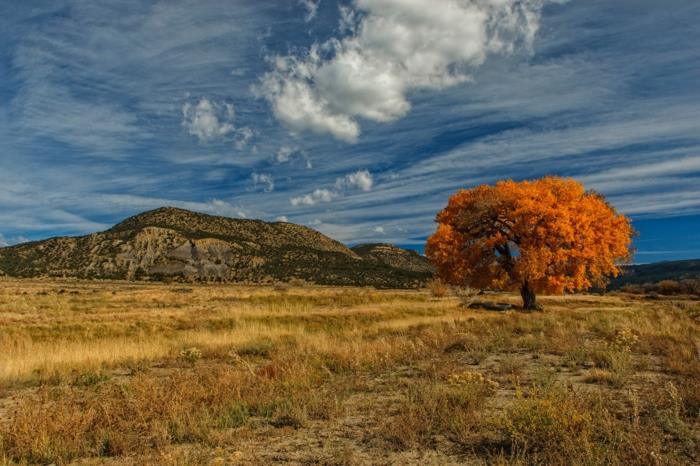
[{"x": 357, "y": 118}]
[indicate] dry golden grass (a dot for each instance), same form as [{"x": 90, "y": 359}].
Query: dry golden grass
[{"x": 118, "y": 373}]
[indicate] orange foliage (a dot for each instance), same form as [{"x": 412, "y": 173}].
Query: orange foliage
[{"x": 548, "y": 235}]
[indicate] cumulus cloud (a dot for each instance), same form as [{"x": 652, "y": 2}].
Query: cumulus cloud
[
  {"x": 317, "y": 196},
  {"x": 392, "y": 47},
  {"x": 282, "y": 218},
  {"x": 208, "y": 120},
  {"x": 283, "y": 154},
  {"x": 264, "y": 179},
  {"x": 379, "y": 230},
  {"x": 361, "y": 179}
]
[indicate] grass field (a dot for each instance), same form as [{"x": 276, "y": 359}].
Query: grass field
[{"x": 124, "y": 373}]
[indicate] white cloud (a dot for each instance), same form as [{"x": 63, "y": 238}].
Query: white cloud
[
  {"x": 318, "y": 195},
  {"x": 379, "y": 230},
  {"x": 264, "y": 179},
  {"x": 361, "y": 179},
  {"x": 4, "y": 242},
  {"x": 208, "y": 120},
  {"x": 243, "y": 137},
  {"x": 287, "y": 154},
  {"x": 132, "y": 203},
  {"x": 644, "y": 174},
  {"x": 395, "y": 47},
  {"x": 283, "y": 154},
  {"x": 219, "y": 207},
  {"x": 294, "y": 102},
  {"x": 348, "y": 19},
  {"x": 311, "y": 7},
  {"x": 282, "y": 218}
]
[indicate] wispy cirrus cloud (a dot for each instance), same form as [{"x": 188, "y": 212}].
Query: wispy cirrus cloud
[{"x": 91, "y": 120}]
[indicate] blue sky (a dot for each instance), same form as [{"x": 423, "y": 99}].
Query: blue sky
[{"x": 357, "y": 118}]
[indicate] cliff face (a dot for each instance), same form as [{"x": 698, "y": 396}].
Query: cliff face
[{"x": 176, "y": 244}]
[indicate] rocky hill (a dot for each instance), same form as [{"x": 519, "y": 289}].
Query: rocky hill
[
  {"x": 176, "y": 244},
  {"x": 393, "y": 256}
]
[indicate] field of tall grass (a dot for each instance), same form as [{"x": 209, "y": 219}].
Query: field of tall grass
[{"x": 128, "y": 373}]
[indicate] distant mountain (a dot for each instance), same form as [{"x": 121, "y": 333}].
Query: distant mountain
[
  {"x": 393, "y": 256},
  {"x": 176, "y": 244},
  {"x": 655, "y": 272}
]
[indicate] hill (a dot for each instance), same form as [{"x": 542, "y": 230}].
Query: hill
[
  {"x": 653, "y": 273},
  {"x": 393, "y": 256},
  {"x": 176, "y": 244}
]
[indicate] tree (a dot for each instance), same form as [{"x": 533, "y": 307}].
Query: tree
[{"x": 542, "y": 236}]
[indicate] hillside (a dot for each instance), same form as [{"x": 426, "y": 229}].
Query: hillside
[
  {"x": 176, "y": 244},
  {"x": 653, "y": 273},
  {"x": 393, "y": 256}
]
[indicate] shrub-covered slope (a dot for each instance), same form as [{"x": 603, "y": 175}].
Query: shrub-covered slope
[{"x": 176, "y": 244}]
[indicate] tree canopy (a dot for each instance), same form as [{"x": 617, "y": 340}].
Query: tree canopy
[{"x": 543, "y": 236}]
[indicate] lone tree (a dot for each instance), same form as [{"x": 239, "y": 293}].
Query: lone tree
[{"x": 548, "y": 235}]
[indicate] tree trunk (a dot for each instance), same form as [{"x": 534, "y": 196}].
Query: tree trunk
[{"x": 529, "y": 298}]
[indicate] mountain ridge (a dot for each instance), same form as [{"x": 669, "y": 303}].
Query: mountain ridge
[
  {"x": 639, "y": 274},
  {"x": 169, "y": 243}
]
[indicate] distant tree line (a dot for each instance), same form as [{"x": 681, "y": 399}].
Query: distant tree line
[{"x": 688, "y": 286}]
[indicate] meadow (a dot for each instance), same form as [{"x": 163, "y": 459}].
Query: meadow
[{"x": 140, "y": 373}]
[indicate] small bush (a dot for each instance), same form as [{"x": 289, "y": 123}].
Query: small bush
[
  {"x": 669, "y": 287},
  {"x": 236, "y": 415},
  {"x": 438, "y": 288},
  {"x": 191, "y": 355},
  {"x": 603, "y": 377},
  {"x": 576, "y": 357},
  {"x": 691, "y": 286},
  {"x": 624, "y": 340},
  {"x": 618, "y": 363},
  {"x": 466, "y": 295},
  {"x": 290, "y": 414},
  {"x": 633, "y": 288},
  {"x": 615, "y": 357},
  {"x": 510, "y": 364},
  {"x": 475, "y": 382},
  {"x": 431, "y": 409},
  {"x": 88, "y": 378},
  {"x": 548, "y": 425}
]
